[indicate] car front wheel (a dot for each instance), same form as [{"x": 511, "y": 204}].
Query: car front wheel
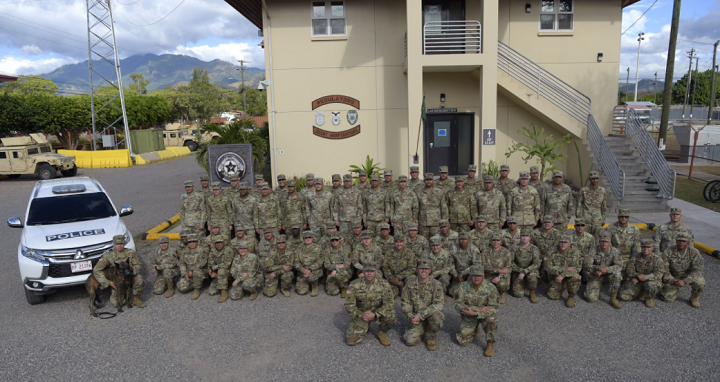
[
  {"x": 32, "y": 298},
  {"x": 47, "y": 172},
  {"x": 70, "y": 172}
]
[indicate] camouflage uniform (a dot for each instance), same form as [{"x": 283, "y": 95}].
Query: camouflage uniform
[
  {"x": 463, "y": 258},
  {"x": 473, "y": 185},
  {"x": 592, "y": 205},
  {"x": 442, "y": 265},
  {"x": 555, "y": 264},
  {"x": 493, "y": 206},
  {"x": 495, "y": 260},
  {"x": 361, "y": 297},
  {"x": 195, "y": 261},
  {"x": 318, "y": 211},
  {"x": 558, "y": 203},
  {"x": 481, "y": 239},
  {"x": 265, "y": 246},
  {"x": 538, "y": 185},
  {"x": 448, "y": 240},
  {"x": 526, "y": 260},
  {"x": 231, "y": 192},
  {"x": 347, "y": 206},
  {"x": 385, "y": 244},
  {"x": 250, "y": 239},
  {"x": 165, "y": 264},
  {"x": 294, "y": 210},
  {"x": 362, "y": 255},
  {"x": 653, "y": 268},
  {"x": 219, "y": 209},
  {"x": 243, "y": 213},
  {"x": 462, "y": 209},
  {"x": 510, "y": 240},
  {"x": 193, "y": 213},
  {"x": 467, "y": 296},
  {"x": 432, "y": 209},
  {"x": 375, "y": 208},
  {"x": 268, "y": 212},
  {"x": 308, "y": 258},
  {"x": 415, "y": 185},
  {"x": 626, "y": 240},
  {"x": 545, "y": 241},
  {"x": 426, "y": 300},
  {"x": 398, "y": 266},
  {"x": 444, "y": 185},
  {"x": 666, "y": 235},
  {"x": 361, "y": 187},
  {"x": 334, "y": 257},
  {"x": 241, "y": 265},
  {"x": 688, "y": 266},
  {"x": 505, "y": 186},
  {"x": 583, "y": 243},
  {"x": 275, "y": 262},
  {"x": 294, "y": 242},
  {"x": 418, "y": 245},
  {"x": 112, "y": 258},
  {"x": 595, "y": 259},
  {"x": 219, "y": 261},
  {"x": 524, "y": 204},
  {"x": 404, "y": 206}
]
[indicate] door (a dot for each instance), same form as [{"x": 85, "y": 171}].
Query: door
[
  {"x": 5, "y": 163},
  {"x": 434, "y": 13},
  {"x": 17, "y": 160},
  {"x": 449, "y": 141}
]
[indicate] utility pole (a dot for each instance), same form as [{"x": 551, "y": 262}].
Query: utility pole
[
  {"x": 689, "y": 79},
  {"x": 637, "y": 68},
  {"x": 713, "y": 84},
  {"x": 627, "y": 84},
  {"x": 242, "y": 76},
  {"x": 655, "y": 97},
  {"x": 692, "y": 103},
  {"x": 669, "y": 70}
]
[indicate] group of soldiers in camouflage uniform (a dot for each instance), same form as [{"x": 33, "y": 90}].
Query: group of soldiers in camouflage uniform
[{"x": 373, "y": 241}]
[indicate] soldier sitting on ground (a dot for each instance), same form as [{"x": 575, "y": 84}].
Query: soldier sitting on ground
[
  {"x": 526, "y": 267},
  {"x": 563, "y": 265},
  {"x": 245, "y": 272},
  {"x": 477, "y": 301},
  {"x": 369, "y": 299},
  {"x": 603, "y": 263},
  {"x": 279, "y": 266},
  {"x": 309, "y": 259},
  {"x": 684, "y": 266},
  {"x": 193, "y": 267},
  {"x": 442, "y": 264},
  {"x": 422, "y": 306},
  {"x": 665, "y": 235},
  {"x": 644, "y": 273},
  {"x": 338, "y": 265},
  {"x": 164, "y": 263},
  {"x": 398, "y": 265},
  {"x": 219, "y": 262},
  {"x": 497, "y": 262},
  {"x": 367, "y": 251}
]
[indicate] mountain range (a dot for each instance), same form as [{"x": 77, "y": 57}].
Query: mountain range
[
  {"x": 161, "y": 70},
  {"x": 644, "y": 86}
]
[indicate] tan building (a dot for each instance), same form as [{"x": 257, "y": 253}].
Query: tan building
[{"x": 346, "y": 79}]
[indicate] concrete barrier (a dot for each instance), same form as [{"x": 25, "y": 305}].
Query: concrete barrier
[
  {"x": 100, "y": 159},
  {"x": 154, "y": 156}
]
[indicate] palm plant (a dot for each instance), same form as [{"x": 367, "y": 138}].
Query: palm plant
[
  {"x": 242, "y": 131},
  {"x": 369, "y": 167}
]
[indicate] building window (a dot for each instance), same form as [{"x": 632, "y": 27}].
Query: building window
[
  {"x": 328, "y": 18},
  {"x": 556, "y": 15}
]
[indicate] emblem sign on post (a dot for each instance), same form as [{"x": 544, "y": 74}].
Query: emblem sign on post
[
  {"x": 352, "y": 117},
  {"x": 319, "y": 118},
  {"x": 488, "y": 137},
  {"x": 225, "y": 161}
]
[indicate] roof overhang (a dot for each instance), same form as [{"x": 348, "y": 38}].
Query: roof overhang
[
  {"x": 6, "y": 78},
  {"x": 625, "y": 3}
]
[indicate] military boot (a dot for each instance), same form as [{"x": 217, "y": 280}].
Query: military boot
[
  {"x": 694, "y": 300},
  {"x": 285, "y": 292},
  {"x": 570, "y": 303},
  {"x": 384, "y": 340},
  {"x": 649, "y": 302},
  {"x": 502, "y": 298},
  {"x": 253, "y": 295},
  {"x": 138, "y": 302},
  {"x": 431, "y": 346},
  {"x": 342, "y": 292},
  {"x": 614, "y": 302},
  {"x": 171, "y": 289},
  {"x": 315, "y": 289},
  {"x": 490, "y": 350},
  {"x": 223, "y": 295},
  {"x": 533, "y": 298},
  {"x": 196, "y": 294}
]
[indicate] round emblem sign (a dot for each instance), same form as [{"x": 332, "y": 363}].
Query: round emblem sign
[{"x": 229, "y": 164}]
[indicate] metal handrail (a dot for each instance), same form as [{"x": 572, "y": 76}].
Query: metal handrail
[
  {"x": 608, "y": 164},
  {"x": 660, "y": 169},
  {"x": 544, "y": 83},
  {"x": 449, "y": 37}
]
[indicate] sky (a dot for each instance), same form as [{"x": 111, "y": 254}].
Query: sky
[{"x": 37, "y": 36}]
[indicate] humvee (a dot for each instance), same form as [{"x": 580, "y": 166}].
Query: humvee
[
  {"x": 33, "y": 155},
  {"x": 174, "y": 136}
]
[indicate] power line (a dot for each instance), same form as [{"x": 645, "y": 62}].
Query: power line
[
  {"x": 119, "y": 2},
  {"x": 56, "y": 42},
  {"x": 147, "y": 25},
  {"x": 641, "y": 16},
  {"x": 697, "y": 42},
  {"x": 19, "y": 2},
  {"x": 27, "y": 25}
]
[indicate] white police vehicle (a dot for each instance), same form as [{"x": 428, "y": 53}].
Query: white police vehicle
[{"x": 69, "y": 225}]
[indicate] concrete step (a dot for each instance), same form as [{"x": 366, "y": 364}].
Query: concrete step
[
  {"x": 623, "y": 136},
  {"x": 646, "y": 208},
  {"x": 615, "y": 138},
  {"x": 618, "y": 146},
  {"x": 624, "y": 153},
  {"x": 639, "y": 191},
  {"x": 628, "y": 159}
]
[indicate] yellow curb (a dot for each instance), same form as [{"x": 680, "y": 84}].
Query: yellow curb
[{"x": 154, "y": 233}]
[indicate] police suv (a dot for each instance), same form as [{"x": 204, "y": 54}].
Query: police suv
[{"x": 69, "y": 225}]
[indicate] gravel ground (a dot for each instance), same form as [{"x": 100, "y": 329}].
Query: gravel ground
[{"x": 302, "y": 338}]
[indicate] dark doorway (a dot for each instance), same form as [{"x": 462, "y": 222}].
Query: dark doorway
[
  {"x": 450, "y": 141},
  {"x": 435, "y": 12}
]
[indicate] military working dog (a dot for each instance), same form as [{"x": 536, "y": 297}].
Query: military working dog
[{"x": 121, "y": 276}]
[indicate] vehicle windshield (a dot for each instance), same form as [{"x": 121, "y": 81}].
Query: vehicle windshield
[{"x": 70, "y": 208}]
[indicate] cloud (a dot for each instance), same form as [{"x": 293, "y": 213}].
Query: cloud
[
  {"x": 231, "y": 52},
  {"x": 31, "y": 49},
  {"x": 15, "y": 65}
]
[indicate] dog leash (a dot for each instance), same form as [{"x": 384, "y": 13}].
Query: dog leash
[{"x": 106, "y": 315}]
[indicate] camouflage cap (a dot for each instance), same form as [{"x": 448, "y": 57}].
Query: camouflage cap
[
  {"x": 374, "y": 177},
  {"x": 347, "y": 178},
  {"x": 388, "y": 172},
  {"x": 682, "y": 236},
  {"x": 384, "y": 225},
  {"x": 234, "y": 177},
  {"x": 215, "y": 224},
  {"x": 295, "y": 226},
  {"x": 594, "y": 174},
  {"x": 259, "y": 177},
  {"x": 218, "y": 239},
  {"x": 291, "y": 183},
  {"x": 399, "y": 238},
  {"x": 216, "y": 186},
  {"x": 307, "y": 234},
  {"x": 435, "y": 240},
  {"x": 309, "y": 176},
  {"x": 548, "y": 218},
  {"x": 335, "y": 177},
  {"x": 269, "y": 229},
  {"x": 366, "y": 234},
  {"x": 362, "y": 173},
  {"x": 319, "y": 180},
  {"x": 558, "y": 173},
  {"x": 604, "y": 235},
  {"x": 204, "y": 177},
  {"x": 488, "y": 179},
  {"x": 580, "y": 221},
  {"x": 192, "y": 237},
  {"x": 481, "y": 218},
  {"x": 402, "y": 178},
  {"x": 335, "y": 236},
  {"x": 414, "y": 168},
  {"x": 412, "y": 227},
  {"x": 281, "y": 239},
  {"x": 476, "y": 270},
  {"x": 472, "y": 167},
  {"x": 183, "y": 233},
  {"x": 429, "y": 175},
  {"x": 675, "y": 211},
  {"x": 565, "y": 238},
  {"x": 242, "y": 244},
  {"x": 647, "y": 242},
  {"x": 525, "y": 231},
  {"x": 524, "y": 175},
  {"x": 443, "y": 169},
  {"x": 370, "y": 266},
  {"x": 623, "y": 212},
  {"x": 511, "y": 219},
  {"x": 240, "y": 228},
  {"x": 497, "y": 236},
  {"x": 163, "y": 239},
  {"x": 443, "y": 223},
  {"x": 357, "y": 223},
  {"x": 504, "y": 168},
  {"x": 330, "y": 224},
  {"x": 243, "y": 186},
  {"x": 424, "y": 263},
  {"x": 534, "y": 170},
  {"x": 264, "y": 186},
  {"x": 463, "y": 236},
  {"x": 459, "y": 179},
  {"x": 189, "y": 183},
  {"x": 281, "y": 177}
]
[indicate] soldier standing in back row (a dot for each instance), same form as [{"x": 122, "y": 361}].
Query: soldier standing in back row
[
  {"x": 388, "y": 183},
  {"x": 415, "y": 183},
  {"x": 491, "y": 204},
  {"x": 403, "y": 206},
  {"x": 281, "y": 190},
  {"x": 523, "y": 202},
  {"x": 219, "y": 209},
  {"x": 444, "y": 183},
  {"x": 375, "y": 206},
  {"x": 472, "y": 183},
  {"x": 347, "y": 206},
  {"x": 268, "y": 210},
  {"x": 535, "y": 181},
  {"x": 432, "y": 209},
  {"x": 503, "y": 183},
  {"x": 294, "y": 207},
  {"x": 205, "y": 183},
  {"x": 625, "y": 237},
  {"x": 192, "y": 209},
  {"x": 243, "y": 209},
  {"x": 233, "y": 189},
  {"x": 422, "y": 306},
  {"x": 665, "y": 235},
  {"x": 362, "y": 183},
  {"x": 336, "y": 186},
  {"x": 557, "y": 201},
  {"x": 317, "y": 208},
  {"x": 592, "y": 205},
  {"x": 462, "y": 207},
  {"x": 256, "y": 187}
]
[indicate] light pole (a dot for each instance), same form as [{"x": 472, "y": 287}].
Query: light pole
[
  {"x": 242, "y": 76},
  {"x": 627, "y": 84},
  {"x": 713, "y": 82},
  {"x": 641, "y": 36},
  {"x": 655, "y": 97}
]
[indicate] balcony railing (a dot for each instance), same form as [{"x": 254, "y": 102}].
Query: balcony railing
[{"x": 452, "y": 37}]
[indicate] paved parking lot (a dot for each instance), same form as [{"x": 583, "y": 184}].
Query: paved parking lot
[{"x": 302, "y": 338}]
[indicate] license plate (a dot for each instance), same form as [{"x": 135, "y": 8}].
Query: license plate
[{"x": 81, "y": 266}]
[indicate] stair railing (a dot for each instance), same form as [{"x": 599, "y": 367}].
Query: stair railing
[
  {"x": 660, "y": 169},
  {"x": 615, "y": 175}
]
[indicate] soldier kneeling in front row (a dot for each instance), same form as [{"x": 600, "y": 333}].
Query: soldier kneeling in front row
[
  {"x": 369, "y": 299},
  {"x": 477, "y": 301},
  {"x": 644, "y": 275},
  {"x": 422, "y": 305},
  {"x": 684, "y": 267},
  {"x": 164, "y": 263}
]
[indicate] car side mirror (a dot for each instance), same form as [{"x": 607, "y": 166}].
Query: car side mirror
[
  {"x": 15, "y": 223},
  {"x": 126, "y": 210}
]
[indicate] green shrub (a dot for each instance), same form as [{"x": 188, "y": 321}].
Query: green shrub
[{"x": 369, "y": 167}]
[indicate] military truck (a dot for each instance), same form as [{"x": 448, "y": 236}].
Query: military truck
[
  {"x": 175, "y": 136},
  {"x": 33, "y": 155}
]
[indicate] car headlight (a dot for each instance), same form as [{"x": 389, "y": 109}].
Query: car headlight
[
  {"x": 127, "y": 237},
  {"x": 32, "y": 254}
]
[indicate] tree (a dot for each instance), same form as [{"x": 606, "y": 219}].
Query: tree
[
  {"x": 14, "y": 116},
  {"x": 30, "y": 85},
  {"x": 138, "y": 84},
  {"x": 204, "y": 95},
  {"x": 241, "y": 131},
  {"x": 545, "y": 151},
  {"x": 701, "y": 80}
]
